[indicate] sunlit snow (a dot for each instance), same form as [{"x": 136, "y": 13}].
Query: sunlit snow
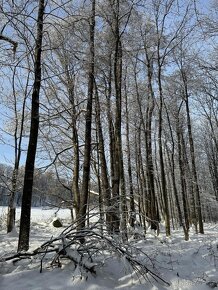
[{"x": 187, "y": 265}]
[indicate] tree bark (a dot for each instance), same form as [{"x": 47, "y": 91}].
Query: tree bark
[
  {"x": 88, "y": 128},
  {"x": 23, "y": 243},
  {"x": 160, "y": 145},
  {"x": 103, "y": 164},
  {"x": 182, "y": 179},
  {"x": 132, "y": 218},
  {"x": 151, "y": 205},
  {"x": 75, "y": 141},
  {"x": 194, "y": 170}
]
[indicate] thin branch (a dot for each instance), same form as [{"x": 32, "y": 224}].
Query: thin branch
[{"x": 7, "y": 39}]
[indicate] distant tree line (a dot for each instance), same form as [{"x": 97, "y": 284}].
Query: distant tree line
[{"x": 47, "y": 190}]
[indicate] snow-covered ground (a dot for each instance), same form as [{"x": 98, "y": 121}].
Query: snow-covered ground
[{"x": 187, "y": 265}]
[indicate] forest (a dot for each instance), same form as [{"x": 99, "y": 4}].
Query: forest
[
  {"x": 47, "y": 189},
  {"x": 114, "y": 104}
]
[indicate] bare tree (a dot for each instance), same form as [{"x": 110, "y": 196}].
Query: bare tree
[
  {"x": 19, "y": 118},
  {"x": 23, "y": 244},
  {"x": 88, "y": 127}
]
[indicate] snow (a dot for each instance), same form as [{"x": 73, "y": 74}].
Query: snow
[{"x": 187, "y": 265}]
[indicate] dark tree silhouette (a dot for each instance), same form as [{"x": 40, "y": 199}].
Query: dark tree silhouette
[{"x": 23, "y": 244}]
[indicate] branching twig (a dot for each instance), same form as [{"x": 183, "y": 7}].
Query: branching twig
[
  {"x": 67, "y": 246},
  {"x": 7, "y": 39}
]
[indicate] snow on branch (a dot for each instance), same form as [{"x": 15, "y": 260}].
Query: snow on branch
[{"x": 87, "y": 257}]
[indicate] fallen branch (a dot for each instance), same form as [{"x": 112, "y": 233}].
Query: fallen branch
[{"x": 88, "y": 256}]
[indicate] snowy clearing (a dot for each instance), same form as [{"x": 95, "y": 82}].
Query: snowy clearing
[{"x": 185, "y": 265}]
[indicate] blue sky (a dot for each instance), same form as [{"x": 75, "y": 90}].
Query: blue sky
[{"x": 6, "y": 154}]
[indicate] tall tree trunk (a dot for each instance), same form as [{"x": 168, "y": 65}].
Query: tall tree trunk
[
  {"x": 18, "y": 142},
  {"x": 182, "y": 179},
  {"x": 75, "y": 141},
  {"x": 100, "y": 187},
  {"x": 132, "y": 218},
  {"x": 192, "y": 152},
  {"x": 171, "y": 156},
  {"x": 103, "y": 164},
  {"x": 151, "y": 205},
  {"x": 23, "y": 243},
  {"x": 88, "y": 128},
  {"x": 114, "y": 210},
  {"x": 190, "y": 199},
  {"x": 154, "y": 216},
  {"x": 117, "y": 153},
  {"x": 194, "y": 170},
  {"x": 116, "y": 183},
  {"x": 123, "y": 224},
  {"x": 141, "y": 177},
  {"x": 153, "y": 212},
  {"x": 160, "y": 145}
]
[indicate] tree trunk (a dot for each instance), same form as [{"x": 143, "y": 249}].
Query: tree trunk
[
  {"x": 171, "y": 156},
  {"x": 117, "y": 146},
  {"x": 192, "y": 152},
  {"x": 75, "y": 141},
  {"x": 12, "y": 201},
  {"x": 18, "y": 137},
  {"x": 151, "y": 206},
  {"x": 162, "y": 166},
  {"x": 182, "y": 180},
  {"x": 114, "y": 209},
  {"x": 103, "y": 164},
  {"x": 132, "y": 218},
  {"x": 194, "y": 170},
  {"x": 88, "y": 128},
  {"x": 142, "y": 179},
  {"x": 23, "y": 244}
]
